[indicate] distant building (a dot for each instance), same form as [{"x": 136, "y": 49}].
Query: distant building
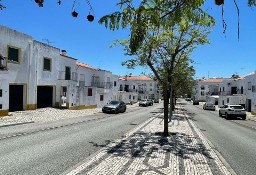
[{"x": 206, "y": 87}]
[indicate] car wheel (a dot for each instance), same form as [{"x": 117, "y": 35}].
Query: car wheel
[
  {"x": 243, "y": 117},
  {"x": 226, "y": 116},
  {"x": 124, "y": 109},
  {"x": 220, "y": 115},
  {"x": 116, "y": 111}
]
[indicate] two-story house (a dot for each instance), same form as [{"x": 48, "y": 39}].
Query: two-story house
[
  {"x": 142, "y": 87},
  {"x": 206, "y": 87},
  {"x": 250, "y": 92},
  {"x": 36, "y": 75},
  {"x": 232, "y": 91}
]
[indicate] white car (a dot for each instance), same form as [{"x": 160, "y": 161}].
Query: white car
[
  {"x": 232, "y": 110},
  {"x": 209, "y": 106}
]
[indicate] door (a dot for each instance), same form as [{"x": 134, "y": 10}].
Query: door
[
  {"x": 44, "y": 96},
  {"x": 16, "y": 98}
]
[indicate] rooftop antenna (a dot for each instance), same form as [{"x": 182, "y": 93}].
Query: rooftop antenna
[{"x": 47, "y": 41}]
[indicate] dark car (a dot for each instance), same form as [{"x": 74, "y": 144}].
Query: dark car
[
  {"x": 195, "y": 102},
  {"x": 151, "y": 102},
  {"x": 156, "y": 100},
  {"x": 114, "y": 107}
]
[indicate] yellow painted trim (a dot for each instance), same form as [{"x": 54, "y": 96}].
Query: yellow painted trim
[
  {"x": 57, "y": 104},
  {"x": 4, "y": 112},
  {"x": 31, "y": 106},
  {"x": 82, "y": 107}
]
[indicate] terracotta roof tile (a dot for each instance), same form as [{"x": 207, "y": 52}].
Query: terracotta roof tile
[
  {"x": 85, "y": 65},
  {"x": 214, "y": 80},
  {"x": 136, "y": 78}
]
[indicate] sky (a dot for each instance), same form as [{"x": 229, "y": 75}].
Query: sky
[{"x": 89, "y": 42}]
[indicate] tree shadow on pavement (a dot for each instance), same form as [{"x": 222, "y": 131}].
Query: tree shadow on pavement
[{"x": 142, "y": 144}]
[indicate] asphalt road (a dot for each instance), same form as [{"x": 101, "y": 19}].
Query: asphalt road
[
  {"x": 235, "y": 140},
  {"x": 52, "y": 148}
]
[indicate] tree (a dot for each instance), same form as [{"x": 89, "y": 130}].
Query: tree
[
  {"x": 183, "y": 79},
  {"x": 162, "y": 33},
  {"x": 235, "y": 76}
]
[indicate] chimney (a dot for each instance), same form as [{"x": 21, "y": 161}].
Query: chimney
[{"x": 63, "y": 52}]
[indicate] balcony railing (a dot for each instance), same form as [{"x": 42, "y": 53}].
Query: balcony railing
[
  {"x": 132, "y": 90},
  {"x": 105, "y": 85},
  {"x": 81, "y": 83},
  {"x": 230, "y": 93},
  {"x": 65, "y": 76}
]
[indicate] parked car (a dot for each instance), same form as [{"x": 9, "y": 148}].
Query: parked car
[
  {"x": 114, "y": 107},
  {"x": 188, "y": 99},
  {"x": 195, "y": 102},
  {"x": 156, "y": 100},
  {"x": 232, "y": 111},
  {"x": 209, "y": 106},
  {"x": 151, "y": 102},
  {"x": 145, "y": 102}
]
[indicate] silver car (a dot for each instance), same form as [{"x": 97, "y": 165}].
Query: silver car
[
  {"x": 209, "y": 106},
  {"x": 232, "y": 111}
]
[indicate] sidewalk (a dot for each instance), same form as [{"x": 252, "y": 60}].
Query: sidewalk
[{"x": 145, "y": 151}]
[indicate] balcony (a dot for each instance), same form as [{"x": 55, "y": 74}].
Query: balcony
[
  {"x": 81, "y": 84},
  {"x": 104, "y": 85},
  {"x": 230, "y": 93},
  {"x": 62, "y": 75},
  {"x": 131, "y": 90}
]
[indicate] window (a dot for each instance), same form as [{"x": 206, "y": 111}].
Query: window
[
  {"x": 202, "y": 93},
  {"x": 253, "y": 88},
  {"x": 47, "y": 64},
  {"x": 227, "y": 100},
  {"x": 89, "y": 93},
  {"x": 13, "y": 54},
  {"x": 101, "y": 97},
  {"x": 130, "y": 97},
  {"x": 67, "y": 73},
  {"x": 249, "y": 85},
  {"x": 133, "y": 97},
  {"x": 150, "y": 84},
  {"x": 114, "y": 83},
  {"x": 1, "y": 92}
]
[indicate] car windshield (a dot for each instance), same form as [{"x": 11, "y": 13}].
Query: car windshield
[
  {"x": 237, "y": 107},
  {"x": 144, "y": 100},
  {"x": 114, "y": 102}
]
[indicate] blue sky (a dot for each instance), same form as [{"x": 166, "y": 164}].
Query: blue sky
[{"x": 89, "y": 41}]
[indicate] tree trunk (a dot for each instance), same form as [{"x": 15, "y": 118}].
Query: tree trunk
[
  {"x": 166, "y": 104},
  {"x": 171, "y": 103}
]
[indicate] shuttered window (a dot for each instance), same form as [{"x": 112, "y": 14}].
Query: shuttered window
[
  {"x": 47, "y": 64},
  {"x": 13, "y": 54}
]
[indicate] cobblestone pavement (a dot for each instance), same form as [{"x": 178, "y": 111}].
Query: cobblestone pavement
[
  {"x": 144, "y": 151},
  {"x": 47, "y": 115}
]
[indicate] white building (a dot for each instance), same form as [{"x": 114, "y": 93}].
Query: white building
[
  {"x": 206, "y": 87},
  {"x": 143, "y": 86},
  {"x": 232, "y": 92},
  {"x": 250, "y": 92},
  {"x": 35, "y": 75}
]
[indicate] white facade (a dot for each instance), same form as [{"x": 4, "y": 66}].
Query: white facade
[
  {"x": 206, "y": 87},
  {"x": 250, "y": 92},
  {"x": 35, "y": 75}
]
